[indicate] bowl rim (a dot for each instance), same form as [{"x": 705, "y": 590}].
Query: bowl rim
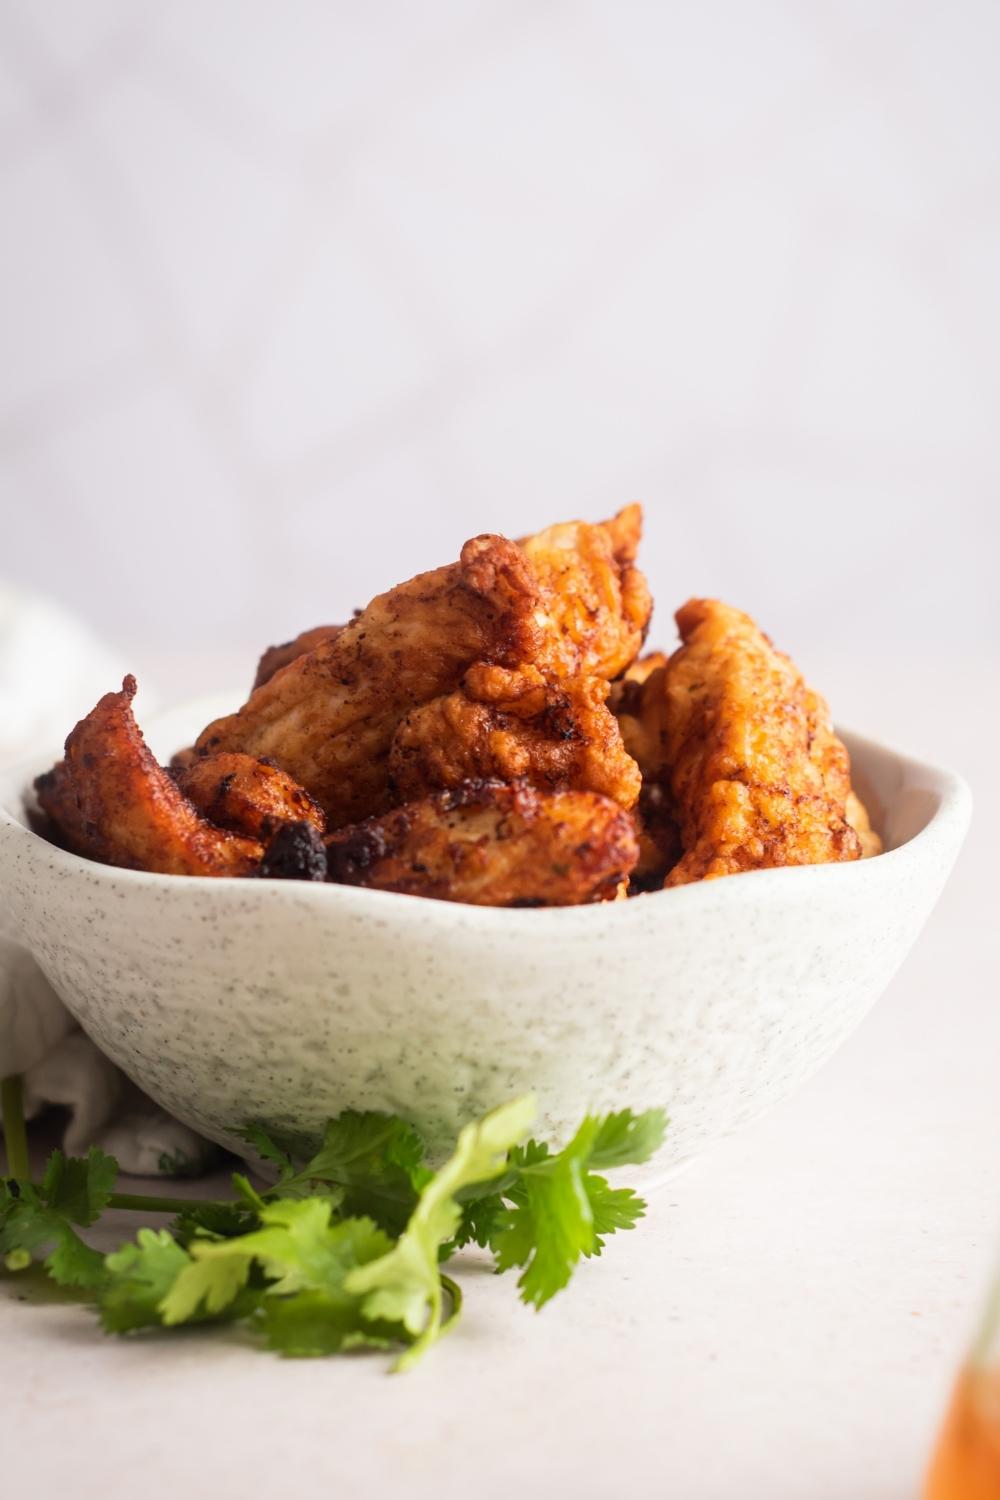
[{"x": 953, "y": 811}]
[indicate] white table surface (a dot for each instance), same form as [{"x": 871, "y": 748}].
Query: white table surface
[{"x": 785, "y": 1324}]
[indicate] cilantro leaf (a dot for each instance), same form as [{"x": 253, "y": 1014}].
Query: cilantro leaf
[
  {"x": 73, "y": 1263},
  {"x": 378, "y": 1161},
  {"x": 552, "y": 1223},
  {"x": 156, "y": 1283},
  {"x": 74, "y": 1190},
  {"x": 138, "y": 1278},
  {"x": 27, "y": 1224},
  {"x": 79, "y": 1188},
  {"x": 205, "y": 1285},
  {"x": 222, "y": 1221},
  {"x": 562, "y": 1210},
  {"x": 314, "y": 1323},
  {"x": 481, "y": 1221},
  {"x": 346, "y": 1250},
  {"x": 292, "y": 1244},
  {"x": 325, "y": 1317},
  {"x": 611, "y": 1209},
  {"x": 404, "y": 1286},
  {"x": 267, "y": 1149},
  {"x": 31, "y": 1227},
  {"x": 624, "y": 1138},
  {"x": 304, "y": 1258}
]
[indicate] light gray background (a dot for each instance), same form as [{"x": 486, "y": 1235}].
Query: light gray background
[{"x": 294, "y": 298}]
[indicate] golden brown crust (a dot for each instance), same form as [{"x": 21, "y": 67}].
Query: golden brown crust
[
  {"x": 110, "y": 801},
  {"x": 757, "y": 775},
  {"x": 514, "y": 725},
  {"x": 328, "y": 718},
  {"x": 485, "y": 697},
  {"x": 276, "y": 657},
  {"x": 637, "y": 673},
  {"x": 492, "y": 845},
  {"x": 248, "y": 796},
  {"x": 545, "y": 721},
  {"x": 595, "y": 604},
  {"x": 624, "y": 531}
]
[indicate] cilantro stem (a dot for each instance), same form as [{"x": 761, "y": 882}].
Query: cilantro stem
[
  {"x": 15, "y": 1132},
  {"x": 455, "y": 1295},
  {"x": 436, "y": 1325},
  {"x": 152, "y": 1204}
]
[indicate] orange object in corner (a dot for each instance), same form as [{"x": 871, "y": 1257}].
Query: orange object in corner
[{"x": 966, "y": 1464}]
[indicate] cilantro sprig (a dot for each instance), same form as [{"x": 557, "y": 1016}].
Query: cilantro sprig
[{"x": 346, "y": 1249}]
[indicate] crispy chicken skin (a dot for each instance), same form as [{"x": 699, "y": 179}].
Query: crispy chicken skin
[
  {"x": 486, "y": 733},
  {"x": 490, "y": 844},
  {"x": 514, "y": 725},
  {"x": 757, "y": 775},
  {"x": 545, "y": 721},
  {"x": 328, "y": 717},
  {"x": 642, "y": 668},
  {"x": 110, "y": 801},
  {"x": 276, "y": 657},
  {"x": 595, "y": 603},
  {"x": 602, "y": 624},
  {"x": 247, "y": 796},
  {"x": 295, "y": 852}
]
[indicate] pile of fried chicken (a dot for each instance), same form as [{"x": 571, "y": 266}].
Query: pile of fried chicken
[{"x": 488, "y": 733}]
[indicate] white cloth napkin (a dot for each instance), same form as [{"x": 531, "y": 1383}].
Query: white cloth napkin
[{"x": 52, "y": 671}]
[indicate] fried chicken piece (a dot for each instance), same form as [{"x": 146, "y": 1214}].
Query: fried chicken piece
[
  {"x": 295, "y": 852},
  {"x": 547, "y": 721},
  {"x": 639, "y": 702},
  {"x": 857, "y": 816},
  {"x": 595, "y": 603},
  {"x": 637, "y": 673},
  {"x": 61, "y": 820},
  {"x": 110, "y": 801},
  {"x": 758, "y": 777},
  {"x": 514, "y": 725},
  {"x": 659, "y": 838},
  {"x": 247, "y": 796},
  {"x": 568, "y": 601},
  {"x": 328, "y": 718},
  {"x": 276, "y": 657},
  {"x": 183, "y": 760},
  {"x": 492, "y": 845}
]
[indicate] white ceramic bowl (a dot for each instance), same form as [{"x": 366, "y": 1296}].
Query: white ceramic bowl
[{"x": 284, "y": 1002}]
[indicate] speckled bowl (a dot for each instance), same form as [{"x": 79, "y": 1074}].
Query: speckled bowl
[{"x": 238, "y": 1000}]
